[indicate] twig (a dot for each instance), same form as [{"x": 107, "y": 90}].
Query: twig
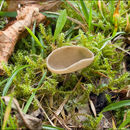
[
  {"x": 99, "y": 73},
  {"x": 60, "y": 120},
  {"x": 44, "y": 111}
]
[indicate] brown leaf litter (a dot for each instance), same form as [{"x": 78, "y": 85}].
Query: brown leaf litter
[
  {"x": 29, "y": 121},
  {"x": 26, "y": 17}
]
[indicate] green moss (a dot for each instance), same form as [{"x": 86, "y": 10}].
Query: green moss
[{"x": 104, "y": 74}]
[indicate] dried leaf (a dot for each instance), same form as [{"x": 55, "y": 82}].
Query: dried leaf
[
  {"x": 43, "y": 5},
  {"x": 13, "y": 6},
  {"x": 51, "y": 5},
  {"x": 9, "y": 37},
  {"x": 29, "y": 121},
  {"x": 92, "y": 107}
]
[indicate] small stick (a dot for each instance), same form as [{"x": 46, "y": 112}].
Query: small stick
[{"x": 44, "y": 111}]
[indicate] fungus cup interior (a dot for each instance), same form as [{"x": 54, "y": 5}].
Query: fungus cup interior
[{"x": 64, "y": 57}]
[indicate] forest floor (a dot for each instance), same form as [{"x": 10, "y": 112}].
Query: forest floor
[{"x": 96, "y": 97}]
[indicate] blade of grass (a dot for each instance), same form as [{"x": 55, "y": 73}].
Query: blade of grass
[
  {"x": 33, "y": 94},
  {"x": 8, "y": 14},
  {"x": 106, "y": 43},
  {"x": 2, "y": 106},
  {"x": 35, "y": 38},
  {"x": 4, "y": 81},
  {"x": 50, "y": 14},
  {"x": 40, "y": 38},
  {"x": 8, "y": 84},
  {"x": 111, "y": 9},
  {"x": 124, "y": 123},
  {"x": 90, "y": 19},
  {"x": 109, "y": 39},
  {"x": 12, "y": 123},
  {"x": 7, "y": 114},
  {"x": 85, "y": 10},
  {"x": 47, "y": 127},
  {"x": 69, "y": 30},
  {"x": 60, "y": 23},
  {"x": 1, "y": 4},
  {"x": 116, "y": 105},
  {"x": 33, "y": 41}
]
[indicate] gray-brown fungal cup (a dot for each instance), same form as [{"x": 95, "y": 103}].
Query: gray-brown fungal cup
[{"x": 69, "y": 59}]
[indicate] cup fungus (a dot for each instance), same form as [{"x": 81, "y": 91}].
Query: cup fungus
[{"x": 68, "y": 59}]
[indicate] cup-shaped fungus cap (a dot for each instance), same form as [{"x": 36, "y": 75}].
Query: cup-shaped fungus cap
[{"x": 68, "y": 59}]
